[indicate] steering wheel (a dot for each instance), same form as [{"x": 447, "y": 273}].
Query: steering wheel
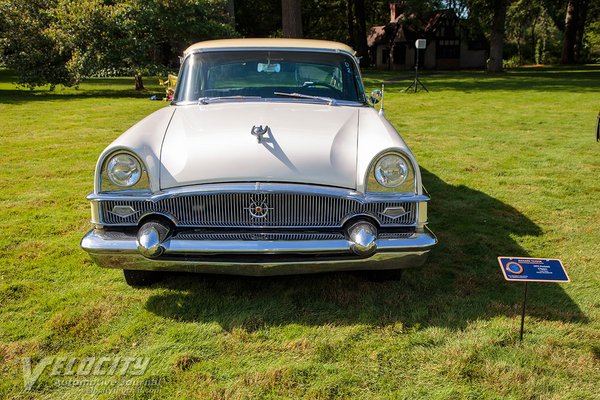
[{"x": 323, "y": 84}]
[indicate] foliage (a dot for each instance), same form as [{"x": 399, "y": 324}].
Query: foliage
[
  {"x": 67, "y": 40},
  {"x": 27, "y": 47},
  {"x": 533, "y": 28},
  {"x": 592, "y": 42},
  {"x": 258, "y": 19},
  {"x": 322, "y": 19},
  {"x": 63, "y": 41},
  {"x": 512, "y": 168},
  {"x": 317, "y": 16},
  {"x": 532, "y": 32}
]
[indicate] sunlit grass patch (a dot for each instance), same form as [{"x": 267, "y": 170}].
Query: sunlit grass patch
[{"x": 511, "y": 164}]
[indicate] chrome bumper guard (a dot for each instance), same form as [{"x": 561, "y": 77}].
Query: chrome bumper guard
[{"x": 113, "y": 249}]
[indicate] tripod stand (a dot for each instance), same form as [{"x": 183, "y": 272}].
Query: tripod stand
[{"x": 416, "y": 83}]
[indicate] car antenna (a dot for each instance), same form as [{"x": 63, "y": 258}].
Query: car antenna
[{"x": 382, "y": 97}]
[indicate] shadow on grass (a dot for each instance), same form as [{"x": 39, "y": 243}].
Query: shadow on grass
[
  {"x": 543, "y": 79},
  {"x": 460, "y": 283},
  {"x": 101, "y": 88},
  {"x": 18, "y": 96}
]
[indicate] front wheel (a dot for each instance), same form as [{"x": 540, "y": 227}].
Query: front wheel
[{"x": 137, "y": 278}]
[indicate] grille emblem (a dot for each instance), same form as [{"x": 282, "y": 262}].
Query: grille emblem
[
  {"x": 123, "y": 211},
  {"x": 394, "y": 212},
  {"x": 258, "y": 208}
]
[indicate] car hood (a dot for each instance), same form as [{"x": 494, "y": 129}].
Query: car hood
[{"x": 307, "y": 143}]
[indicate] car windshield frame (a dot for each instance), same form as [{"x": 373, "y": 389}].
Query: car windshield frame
[{"x": 277, "y": 75}]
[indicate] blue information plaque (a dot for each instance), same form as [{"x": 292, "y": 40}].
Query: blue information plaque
[{"x": 533, "y": 269}]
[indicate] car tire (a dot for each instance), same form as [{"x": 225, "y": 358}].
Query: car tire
[
  {"x": 384, "y": 275},
  {"x": 137, "y": 278}
]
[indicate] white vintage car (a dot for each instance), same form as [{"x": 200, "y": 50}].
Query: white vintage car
[{"x": 270, "y": 160}]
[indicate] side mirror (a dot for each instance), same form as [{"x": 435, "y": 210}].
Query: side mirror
[{"x": 376, "y": 96}]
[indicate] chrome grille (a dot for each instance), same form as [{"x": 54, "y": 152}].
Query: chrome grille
[{"x": 233, "y": 210}]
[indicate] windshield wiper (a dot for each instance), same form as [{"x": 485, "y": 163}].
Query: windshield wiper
[
  {"x": 206, "y": 100},
  {"x": 330, "y": 100}
]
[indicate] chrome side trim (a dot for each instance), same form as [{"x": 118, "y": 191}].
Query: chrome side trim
[{"x": 95, "y": 211}]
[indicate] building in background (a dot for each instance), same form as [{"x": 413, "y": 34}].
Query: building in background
[{"x": 392, "y": 46}]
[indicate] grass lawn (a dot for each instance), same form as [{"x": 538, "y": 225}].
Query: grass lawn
[{"x": 513, "y": 168}]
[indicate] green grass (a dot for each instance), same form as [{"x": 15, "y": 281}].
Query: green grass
[{"x": 512, "y": 167}]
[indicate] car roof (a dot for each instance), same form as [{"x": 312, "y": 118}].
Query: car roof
[{"x": 270, "y": 43}]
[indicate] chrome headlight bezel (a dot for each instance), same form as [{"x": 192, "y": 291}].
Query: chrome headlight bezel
[
  {"x": 108, "y": 184},
  {"x": 408, "y": 185}
]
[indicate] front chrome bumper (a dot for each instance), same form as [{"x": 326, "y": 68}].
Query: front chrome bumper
[{"x": 257, "y": 257}]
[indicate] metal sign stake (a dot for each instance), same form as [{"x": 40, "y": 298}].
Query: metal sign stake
[{"x": 523, "y": 312}]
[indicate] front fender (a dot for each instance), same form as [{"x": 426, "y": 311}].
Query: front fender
[{"x": 144, "y": 140}]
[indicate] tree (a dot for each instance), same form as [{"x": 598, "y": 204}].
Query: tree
[
  {"x": 497, "y": 36},
  {"x": 529, "y": 25},
  {"x": 258, "y": 19},
  {"x": 575, "y": 21},
  {"x": 27, "y": 47},
  {"x": 63, "y": 41},
  {"x": 144, "y": 29},
  {"x": 291, "y": 18},
  {"x": 327, "y": 20},
  {"x": 350, "y": 21},
  {"x": 362, "y": 48},
  {"x": 568, "y": 53}
]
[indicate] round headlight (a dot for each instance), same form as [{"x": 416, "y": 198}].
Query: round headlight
[
  {"x": 391, "y": 170},
  {"x": 124, "y": 170}
]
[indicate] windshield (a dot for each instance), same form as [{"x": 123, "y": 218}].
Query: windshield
[{"x": 292, "y": 75}]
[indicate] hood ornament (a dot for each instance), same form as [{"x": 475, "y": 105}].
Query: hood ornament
[{"x": 259, "y": 131}]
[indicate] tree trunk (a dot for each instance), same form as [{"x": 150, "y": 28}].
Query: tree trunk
[
  {"x": 581, "y": 18},
  {"x": 497, "y": 38},
  {"x": 519, "y": 39},
  {"x": 362, "y": 47},
  {"x": 568, "y": 51},
  {"x": 533, "y": 44},
  {"x": 391, "y": 46},
  {"x": 139, "y": 84},
  {"x": 291, "y": 18}
]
